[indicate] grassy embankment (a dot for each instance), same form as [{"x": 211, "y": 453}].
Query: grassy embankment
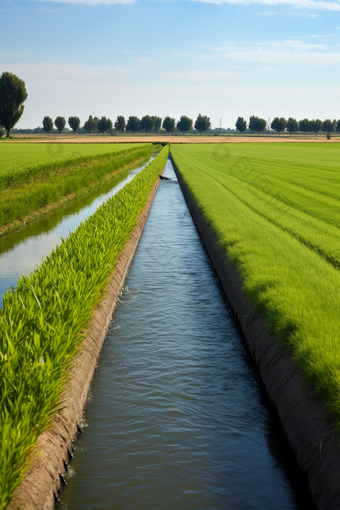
[
  {"x": 276, "y": 212},
  {"x": 26, "y": 188},
  {"x": 41, "y": 322}
]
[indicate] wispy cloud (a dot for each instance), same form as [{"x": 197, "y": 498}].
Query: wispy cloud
[
  {"x": 89, "y": 2},
  {"x": 322, "y": 5},
  {"x": 282, "y": 52},
  {"x": 198, "y": 76}
]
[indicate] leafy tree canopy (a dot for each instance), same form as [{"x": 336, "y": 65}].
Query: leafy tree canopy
[
  {"x": 241, "y": 124},
  {"x": 169, "y": 124},
  {"x": 104, "y": 124},
  {"x": 303, "y": 125},
  {"x": 257, "y": 124},
  {"x": 157, "y": 122},
  {"x": 292, "y": 125},
  {"x": 12, "y": 95},
  {"x": 133, "y": 124},
  {"x": 279, "y": 124},
  {"x": 328, "y": 125},
  {"x": 202, "y": 123},
  {"x": 47, "y": 124},
  {"x": 337, "y": 127},
  {"x": 60, "y": 123},
  {"x": 147, "y": 123},
  {"x": 91, "y": 124},
  {"x": 314, "y": 126},
  {"x": 120, "y": 123},
  {"x": 184, "y": 124},
  {"x": 74, "y": 123},
  {"x": 2, "y": 131}
]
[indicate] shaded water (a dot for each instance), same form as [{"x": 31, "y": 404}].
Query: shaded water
[
  {"x": 175, "y": 418},
  {"x": 22, "y": 251}
]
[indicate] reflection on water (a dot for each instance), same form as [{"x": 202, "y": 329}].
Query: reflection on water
[
  {"x": 175, "y": 418},
  {"x": 22, "y": 251}
]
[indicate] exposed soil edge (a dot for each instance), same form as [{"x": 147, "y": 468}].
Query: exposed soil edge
[
  {"x": 308, "y": 429},
  {"x": 42, "y": 482}
]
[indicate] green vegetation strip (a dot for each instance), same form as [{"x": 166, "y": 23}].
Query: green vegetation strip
[
  {"x": 42, "y": 321},
  {"x": 51, "y": 186},
  {"x": 20, "y": 162},
  {"x": 275, "y": 211}
]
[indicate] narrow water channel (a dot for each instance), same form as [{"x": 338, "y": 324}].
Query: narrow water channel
[
  {"x": 175, "y": 418},
  {"x": 22, "y": 251}
]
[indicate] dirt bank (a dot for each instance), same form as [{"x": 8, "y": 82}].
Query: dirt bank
[
  {"x": 306, "y": 425},
  {"x": 39, "y": 489}
]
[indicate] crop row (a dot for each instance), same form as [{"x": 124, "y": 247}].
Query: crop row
[
  {"x": 42, "y": 321},
  {"x": 285, "y": 244},
  {"x": 18, "y": 201},
  {"x": 21, "y": 162}
]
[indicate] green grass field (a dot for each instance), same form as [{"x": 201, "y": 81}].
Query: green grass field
[{"x": 276, "y": 211}]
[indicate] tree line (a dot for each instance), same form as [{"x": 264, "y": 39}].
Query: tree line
[
  {"x": 281, "y": 125},
  {"x": 146, "y": 124}
]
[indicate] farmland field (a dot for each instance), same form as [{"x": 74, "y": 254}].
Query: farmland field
[
  {"x": 18, "y": 158},
  {"x": 276, "y": 212}
]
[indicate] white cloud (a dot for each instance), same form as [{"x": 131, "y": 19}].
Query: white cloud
[
  {"x": 197, "y": 76},
  {"x": 282, "y": 52},
  {"x": 89, "y": 2},
  {"x": 321, "y": 5}
]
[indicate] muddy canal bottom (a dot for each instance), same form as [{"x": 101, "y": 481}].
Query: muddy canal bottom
[{"x": 175, "y": 418}]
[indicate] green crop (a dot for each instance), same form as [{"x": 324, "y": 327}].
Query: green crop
[
  {"x": 20, "y": 162},
  {"x": 51, "y": 186},
  {"x": 42, "y": 321},
  {"x": 275, "y": 210}
]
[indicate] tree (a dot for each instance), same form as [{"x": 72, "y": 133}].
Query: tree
[
  {"x": 60, "y": 123},
  {"x": 147, "y": 123},
  {"x": 292, "y": 125},
  {"x": 120, "y": 123},
  {"x": 74, "y": 123},
  {"x": 169, "y": 124},
  {"x": 202, "y": 123},
  {"x": 2, "y": 132},
  {"x": 279, "y": 124},
  {"x": 47, "y": 124},
  {"x": 157, "y": 122},
  {"x": 337, "y": 127},
  {"x": 303, "y": 125},
  {"x": 104, "y": 124},
  {"x": 241, "y": 124},
  {"x": 314, "y": 126},
  {"x": 328, "y": 126},
  {"x": 12, "y": 95},
  {"x": 257, "y": 124},
  {"x": 91, "y": 124},
  {"x": 133, "y": 124},
  {"x": 184, "y": 124}
]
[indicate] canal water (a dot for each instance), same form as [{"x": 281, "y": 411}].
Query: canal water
[
  {"x": 23, "y": 251},
  {"x": 175, "y": 418}
]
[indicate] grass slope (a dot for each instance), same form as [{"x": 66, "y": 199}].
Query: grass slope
[{"x": 275, "y": 210}]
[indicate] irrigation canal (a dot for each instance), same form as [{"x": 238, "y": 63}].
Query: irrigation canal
[{"x": 175, "y": 418}]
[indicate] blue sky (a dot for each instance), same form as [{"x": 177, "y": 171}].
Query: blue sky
[{"x": 221, "y": 58}]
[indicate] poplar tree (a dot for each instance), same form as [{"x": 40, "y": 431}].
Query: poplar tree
[{"x": 12, "y": 95}]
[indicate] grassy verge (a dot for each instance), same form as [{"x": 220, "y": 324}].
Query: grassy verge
[
  {"x": 41, "y": 322},
  {"x": 50, "y": 187},
  {"x": 286, "y": 247}
]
